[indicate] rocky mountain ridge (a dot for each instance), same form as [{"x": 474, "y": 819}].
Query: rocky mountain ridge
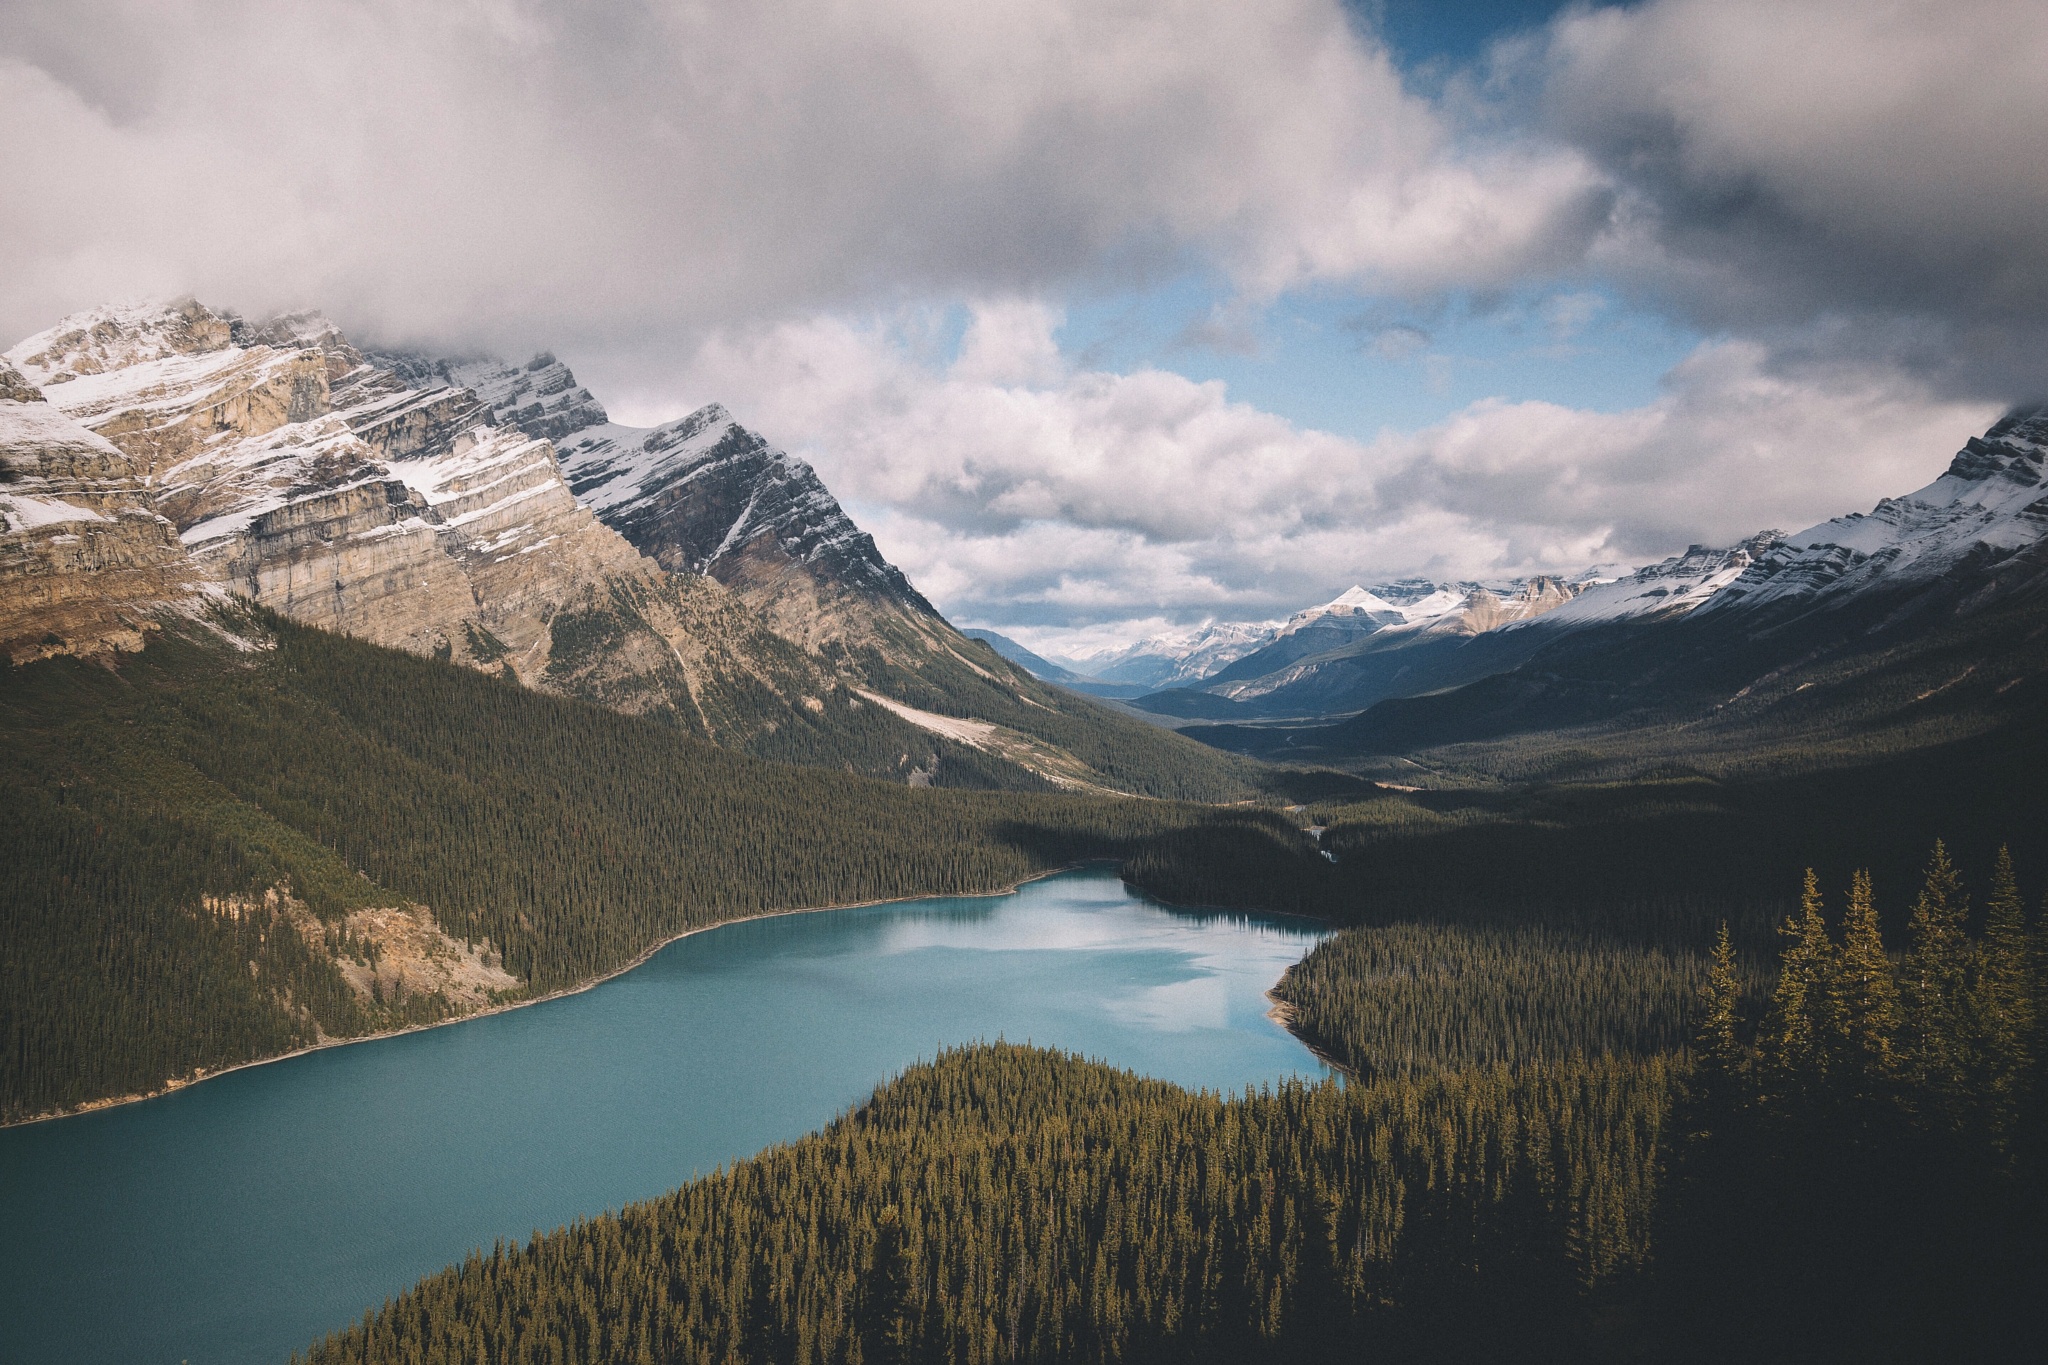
[
  {"x": 1974, "y": 530},
  {"x": 705, "y": 495},
  {"x": 161, "y": 456},
  {"x": 1918, "y": 622},
  {"x": 302, "y": 475}
]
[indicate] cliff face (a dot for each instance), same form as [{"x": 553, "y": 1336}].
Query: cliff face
[
  {"x": 493, "y": 516},
  {"x": 279, "y": 462},
  {"x": 85, "y": 562},
  {"x": 704, "y": 495}
]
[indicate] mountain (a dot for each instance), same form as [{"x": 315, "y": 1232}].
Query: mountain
[
  {"x": 703, "y": 495},
  {"x": 160, "y": 456},
  {"x": 83, "y": 553},
  {"x": 1921, "y": 619},
  {"x": 1043, "y": 669},
  {"x": 1179, "y": 658},
  {"x": 295, "y": 471},
  {"x": 1390, "y": 640}
]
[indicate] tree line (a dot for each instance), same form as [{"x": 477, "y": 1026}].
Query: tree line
[
  {"x": 1860, "y": 1162},
  {"x": 1845, "y": 1165},
  {"x": 570, "y": 837},
  {"x": 1007, "y": 1203}
]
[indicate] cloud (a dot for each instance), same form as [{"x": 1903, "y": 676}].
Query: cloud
[
  {"x": 526, "y": 172},
  {"x": 1840, "y": 177},
  {"x": 1020, "y": 490},
  {"x": 718, "y": 199}
]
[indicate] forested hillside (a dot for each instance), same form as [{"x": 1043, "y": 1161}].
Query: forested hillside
[
  {"x": 1660, "y": 859},
  {"x": 155, "y": 806},
  {"x": 1011, "y": 1204},
  {"x": 1856, "y": 1175}
]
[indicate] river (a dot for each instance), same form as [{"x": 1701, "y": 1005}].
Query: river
[{"x": 237, "y": 1220}]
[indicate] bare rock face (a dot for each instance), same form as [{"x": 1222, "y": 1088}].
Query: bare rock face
[
  {"x": 1487, "y": 609},
  {"x": 84, "y": 561},
  {"x": 180, "y": 447},
  {"x": 704, "y": 495}
]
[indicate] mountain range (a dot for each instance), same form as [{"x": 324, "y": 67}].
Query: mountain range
[
  {"x": 159, "y": 458},
  {"x": 1924, "y": 614}
]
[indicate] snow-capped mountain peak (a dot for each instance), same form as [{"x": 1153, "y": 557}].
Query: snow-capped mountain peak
[
  {"x": 1178, "y": 658},
  {"x": 1987, "y": 506},
  {"x": 1671, "y": 587},
  {"x": 1354, "y": 601}
]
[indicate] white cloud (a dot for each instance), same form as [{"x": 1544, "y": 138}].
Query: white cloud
[
  {"x": 1016, "y": 489},
  {"x": 626, "y": 173},
  {"x": 1847, "y": 194}
]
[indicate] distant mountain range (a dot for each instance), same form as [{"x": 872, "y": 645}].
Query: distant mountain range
[
  {"x": 1972, "y": 536},
  {"x": 158, "y": 457},
  {"x": 1037, "y": 666},
  {"x": 1237, "y": 669},
  {"x": 1928, "y": 615}
]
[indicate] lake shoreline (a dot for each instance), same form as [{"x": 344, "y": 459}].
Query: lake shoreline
[
  {"x": 112, "y": 1102},
  {"x": 1282, "y": 1012}
]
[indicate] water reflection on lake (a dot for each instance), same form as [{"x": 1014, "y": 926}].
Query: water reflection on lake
[{"x": 239, "y": 1219}]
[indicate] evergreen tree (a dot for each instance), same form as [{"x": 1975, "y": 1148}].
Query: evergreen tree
[
  {"x": 1720, "y": 1037},
  {"x": 1935, "y": 985},
  {"x": 2002, "y": 1005},
  {"x": 1800, "y": 1011},
  {"x": 1864, "y": 994}
]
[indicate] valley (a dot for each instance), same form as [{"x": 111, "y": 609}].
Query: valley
[{"x": 352, "y": 692}]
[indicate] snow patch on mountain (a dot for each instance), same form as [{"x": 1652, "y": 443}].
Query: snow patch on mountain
[
  {"x": 1178, "y": 658},
  {"x": 1988, "y": 505},
  {"x": 1671, "y": 587}
]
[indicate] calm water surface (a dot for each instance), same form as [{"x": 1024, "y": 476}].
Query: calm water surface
[{"x": 240, "y": 1219}]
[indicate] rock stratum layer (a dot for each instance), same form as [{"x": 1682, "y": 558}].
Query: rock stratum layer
[
  {"x": 159, "y": 455},
  {"x": 157, "y": 451},
  {"x": 704, "y": 495}
]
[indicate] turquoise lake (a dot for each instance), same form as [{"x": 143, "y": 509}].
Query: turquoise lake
[{"x": 238, "y": 1220}]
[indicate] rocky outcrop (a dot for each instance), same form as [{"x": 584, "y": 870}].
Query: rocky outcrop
[
  {"x": 691, "y": 571},
  {"x": 277, "y": 461},
  {"x": 85, "y": 563},
  {"x": 704, "y": 495}
]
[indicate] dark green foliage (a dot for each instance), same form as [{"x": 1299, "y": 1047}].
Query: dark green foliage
[
  {"x": 1007, "y": 1203},
  {"x": 1855, "y": 1179},
  {"x": 1659, "y": 860},
  {"x": 570, "y": 837},
  {"x": 1409, "y": 998}
]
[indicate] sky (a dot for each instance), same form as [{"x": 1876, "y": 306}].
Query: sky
[{"x": 1107, "y": 316}]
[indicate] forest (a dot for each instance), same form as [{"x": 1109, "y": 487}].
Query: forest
[
  {"x": 1847, "y": 1168},
  {"x": 570, "y": 838},
  {"x": 1610, "y": 1060}
]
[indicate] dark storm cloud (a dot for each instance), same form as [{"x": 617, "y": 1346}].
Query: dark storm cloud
[{"x": 1849, "y": 180}]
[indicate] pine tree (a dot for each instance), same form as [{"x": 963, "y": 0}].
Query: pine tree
[
  {"x": 1935, "y": 984},
  {"x": 1800, "y": 1009},
  {"x": 1717, "y": 1094},
  {"x": 1720, "y": 1027},
  {"x": 1863, "y": 994},
  {"x": 2001, "y": 1001}
]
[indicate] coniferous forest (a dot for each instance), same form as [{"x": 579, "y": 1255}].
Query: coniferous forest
[
  {"x": 568, "y": 838},
  {"x": 1849, "y": 1169},
  {"x": 1612, "y": 1061}
]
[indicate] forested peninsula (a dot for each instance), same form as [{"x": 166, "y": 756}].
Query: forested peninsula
[{"x": 1846, "y": 1168}]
